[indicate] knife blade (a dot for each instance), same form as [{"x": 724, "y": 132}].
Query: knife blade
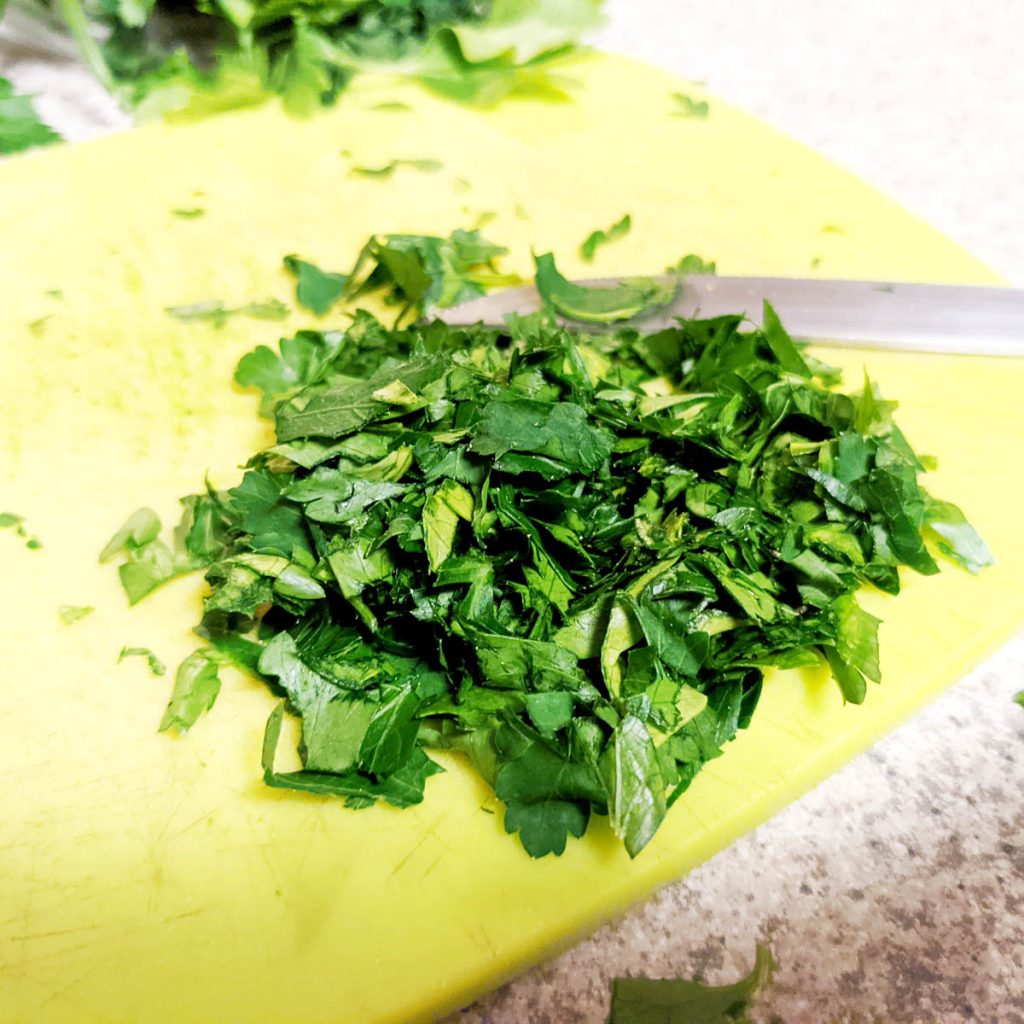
[{"x": 951, "y": 319}]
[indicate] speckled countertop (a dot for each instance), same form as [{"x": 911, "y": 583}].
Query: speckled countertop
[{"x": 894, "y": 891}]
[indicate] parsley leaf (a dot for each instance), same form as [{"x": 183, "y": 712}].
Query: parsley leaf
[
  {"x": 20, "y": 126},
  {"x": 315, "y": 289},
  {"x": 686, "y": 106},
  {"x": 156, "y": 666},
  {"x": 598, "y": 305},
  {"x": 677, "y": 1001},
  {"x": 691, "y": 263},
  {"x": 70, "y": 613},
  {"x": 598, "y": 238},
  {"x": 216, "y": 313},
  {"x": 300, "y": 360},
  {"x": 196, "y": 686}
]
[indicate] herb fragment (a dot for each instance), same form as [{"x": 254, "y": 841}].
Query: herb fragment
[
  {"x": 156, "y": 666},
  {"x": 189, "y": 213},
  {"x": 387, "y": 170},
  {"x": 11, "y": 520},
  {"x": 424, "y": 272},
  {"x": 196, "y": 686},
  {"x": 216, "y": 313},
  {"x": 70, "y": 613},
  {"x": 20, "y": 125},
  {"x": 418, "y": 272},
  {"x": 685, "y": 106},
  {"x": 315, "y": 289},
  {"x": 693, "y": 264},
  {"x": 598, "y": 238},
  {"x": 676, "y": 1001}
]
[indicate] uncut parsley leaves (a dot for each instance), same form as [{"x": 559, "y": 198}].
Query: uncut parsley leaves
[{"x": 567, "y": 556}]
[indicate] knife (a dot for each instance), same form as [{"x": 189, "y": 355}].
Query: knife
[{"x": 953, "y": 319}]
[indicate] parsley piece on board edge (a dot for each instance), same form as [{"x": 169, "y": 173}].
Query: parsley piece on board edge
[
  {"x": 686, "y": 106},
  {"x": 20, "y": 126}
]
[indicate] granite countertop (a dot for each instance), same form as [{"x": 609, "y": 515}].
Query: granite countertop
[{"x": 894, "y": 891}]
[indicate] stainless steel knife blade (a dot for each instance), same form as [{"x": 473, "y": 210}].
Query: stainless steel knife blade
[{"x": 952, "y": 319}]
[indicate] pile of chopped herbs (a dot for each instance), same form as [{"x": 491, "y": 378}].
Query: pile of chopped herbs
[
  {"x": 568, "y": 555},
  {"x": 162, "y": 56}
]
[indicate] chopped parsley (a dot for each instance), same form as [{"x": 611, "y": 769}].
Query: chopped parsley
[
  {"x": 677, "y": 1001},
  {"x": 165, "y": 55},
  {"x": 13, "y": 521},
  {"x": 686, "y": 106},
  {"x": 566, "y": 554},
  {"x": 216, "y": 313},
  {"x": 20, "y": 125},
  {"x": 71, "y": 613},
  {"x": 156, "y": 666},
  {"x": 388, "y": 169},
  {"x": 598, "y": 238}
]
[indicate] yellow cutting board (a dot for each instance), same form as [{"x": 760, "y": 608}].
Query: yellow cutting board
[{"x": 153, "y": 879}]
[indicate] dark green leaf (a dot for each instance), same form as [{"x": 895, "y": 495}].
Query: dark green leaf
[
  {"x": 274, "y": 524},
  {"x": 550, "y": 711},
  {"x": 636, "y": 789},
  {"x": 302, "y": 360},
  {"x": 340, "y": 408},
  {"x": 676, "y": 1001},
  {"x": 560, "y": 431},
  {"x": 315, "y": 289}
]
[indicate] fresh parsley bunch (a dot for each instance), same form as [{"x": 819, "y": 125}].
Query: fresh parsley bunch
[{"x": 199, "y": 56}]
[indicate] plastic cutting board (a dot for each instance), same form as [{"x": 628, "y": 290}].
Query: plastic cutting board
[{"x": 151, "y": 879}]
